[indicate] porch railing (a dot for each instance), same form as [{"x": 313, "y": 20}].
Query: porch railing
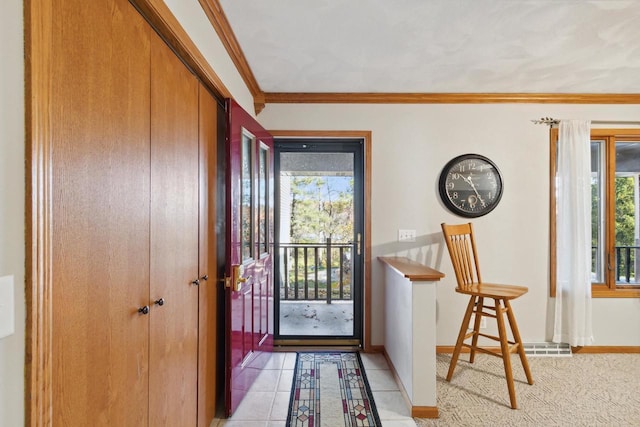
[
  {"x": 316, "y": 271},
  {"x": 627, "y": 263}
]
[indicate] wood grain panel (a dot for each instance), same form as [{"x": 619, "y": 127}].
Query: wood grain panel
[
  {"x": 99, "y": 132},
  {"x": 412, "y": 270},
  {"x": 173, "y": 349},
  {"x": 38, "y": 33},
  {"x": 208, "y": 297}
]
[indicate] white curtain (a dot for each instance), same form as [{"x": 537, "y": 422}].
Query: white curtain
[{"x": 573, "y": 235}]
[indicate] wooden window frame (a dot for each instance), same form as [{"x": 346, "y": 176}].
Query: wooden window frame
[{"x": 609, "y": 289}]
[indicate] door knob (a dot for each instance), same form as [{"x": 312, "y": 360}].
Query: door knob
[
  {"x": 205, "y": 277},
  {"x": 144, "y": 310},
  {"x": 195, "y": 282},
  {"x": 159, "y": 301}
]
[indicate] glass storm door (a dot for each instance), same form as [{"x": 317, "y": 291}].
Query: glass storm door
[
  {"x": 319, "y": 223},
  {"x": 249, "y": 263}
]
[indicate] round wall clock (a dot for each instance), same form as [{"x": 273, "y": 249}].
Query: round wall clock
[{"x": 470, "y": 185}]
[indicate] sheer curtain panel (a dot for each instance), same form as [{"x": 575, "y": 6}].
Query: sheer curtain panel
[{"x": 573, "y": 235}]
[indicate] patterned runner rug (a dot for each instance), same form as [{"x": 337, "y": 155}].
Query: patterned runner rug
[{"x": 331, "y": 389}]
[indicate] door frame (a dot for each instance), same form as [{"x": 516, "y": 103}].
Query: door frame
[{"x": 365, "y": 136}]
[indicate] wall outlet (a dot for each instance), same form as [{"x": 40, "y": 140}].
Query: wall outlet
[
  {"x": 483, "y": 322},
  {"x": 406, "y": 235}
]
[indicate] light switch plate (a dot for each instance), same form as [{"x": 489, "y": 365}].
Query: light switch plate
[
  {"x": 7, "y": 304},
  {"x": 406, "y": 235}
]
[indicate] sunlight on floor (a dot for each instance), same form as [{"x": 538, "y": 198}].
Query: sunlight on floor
[{"x": 316, "y": 318}]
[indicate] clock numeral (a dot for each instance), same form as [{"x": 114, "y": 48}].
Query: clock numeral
[
  {"x": 450, "y": 185},
  {"x": 455, "y": 176},
  {"x": 455, "y": 195}
]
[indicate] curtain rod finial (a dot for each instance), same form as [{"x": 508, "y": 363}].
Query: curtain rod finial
[{"x": 546, "y": 121}]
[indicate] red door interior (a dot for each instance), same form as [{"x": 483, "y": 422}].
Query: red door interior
[{"x": 249, "y": 296}]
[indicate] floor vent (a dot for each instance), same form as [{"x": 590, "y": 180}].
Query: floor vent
[{"x": 547, "y": 349}]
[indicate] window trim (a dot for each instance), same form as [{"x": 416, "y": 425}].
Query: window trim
[{"x": 609, "y": 288}]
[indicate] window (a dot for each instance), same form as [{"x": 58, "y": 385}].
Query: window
[{"x": 615, "y": 212}]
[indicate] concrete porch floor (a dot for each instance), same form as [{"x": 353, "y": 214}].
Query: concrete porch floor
[{"x": 316, "y": 318}]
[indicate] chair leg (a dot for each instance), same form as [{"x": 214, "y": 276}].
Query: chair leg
[
  {"x": 506, "y": 355},
  {"x": 518, "y": 340},
  {"x": 476, "y": 328},
  {"x": 463, "y": 332}
]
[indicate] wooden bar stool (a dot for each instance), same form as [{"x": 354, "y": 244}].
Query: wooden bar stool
[{"x": 462, "y": 249}]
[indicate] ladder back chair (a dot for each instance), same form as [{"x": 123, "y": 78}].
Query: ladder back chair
[{"x": 462, "y": 249}]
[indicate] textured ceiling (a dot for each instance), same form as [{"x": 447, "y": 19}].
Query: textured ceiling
[{"x": 466, "y": 46}]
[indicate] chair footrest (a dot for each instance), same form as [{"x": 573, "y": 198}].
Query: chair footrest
[{"x": 513, "y": 348}]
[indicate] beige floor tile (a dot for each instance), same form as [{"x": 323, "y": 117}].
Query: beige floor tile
[
  {"x": 374, "y": 361},
  {"x": 256, "y": 406},
  {"x": 290, "y": 361},
  {"x": 275, "y": 361},
  {"x": 381, "y": 380},
  {"x": 230, "y": 423},
  {"x": 280, "y": 408},
  {"x": 391, "y": 405},
  {"x": 398, "y": 423},
  {"x": 286, "y": 380},
  {"x": 266, "y": 381}
]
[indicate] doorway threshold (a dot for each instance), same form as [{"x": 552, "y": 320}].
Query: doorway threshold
[{"x": 319, "y": 344}]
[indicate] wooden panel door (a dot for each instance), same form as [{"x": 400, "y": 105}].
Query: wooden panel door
[
  {"x": 173, "y": 348},
  {"x": 99, "y": 130},
  {"x": 208, "y": 291},
  {"x": 249, "y": 329}
]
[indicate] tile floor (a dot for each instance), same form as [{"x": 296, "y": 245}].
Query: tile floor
[{"x": 267, "y": 402}]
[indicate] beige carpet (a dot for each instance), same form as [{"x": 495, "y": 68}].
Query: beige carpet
[{"x": 582, "y": 390}]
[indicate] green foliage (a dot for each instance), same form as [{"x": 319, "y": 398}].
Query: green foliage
[
  {"x": 625, "y": 212},
  {"x": 320, "y": 209},
  {"x": 625, "y": 221}
]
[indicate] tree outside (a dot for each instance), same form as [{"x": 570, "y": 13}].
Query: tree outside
[
  {"x": 321, "y": 208},
  {"x": 625, "y": 225}
]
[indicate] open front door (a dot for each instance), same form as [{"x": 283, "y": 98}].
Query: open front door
[{"x": 249, "y": 260}]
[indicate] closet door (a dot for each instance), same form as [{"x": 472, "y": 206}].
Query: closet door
[
  {"x": 98, "y": 125},
  {"x": 208, "y": 298},
  {"x": 173, "y": 341}
]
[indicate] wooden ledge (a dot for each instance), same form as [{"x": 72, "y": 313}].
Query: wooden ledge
[{"x": 412, "y": 270}]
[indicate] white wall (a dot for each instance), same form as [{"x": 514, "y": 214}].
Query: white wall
[
  {"x": 411, "y": 144},
  {"x": 12, "y": 206},
  {"x": 197, "y": 25}
]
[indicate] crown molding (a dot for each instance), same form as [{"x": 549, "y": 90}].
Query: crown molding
[
  {"x": 165, "y": 23},
  {"x": 159, "y": 15},
  {"x": 449, "y": 98},
  {"x": 218, "y": 19}
]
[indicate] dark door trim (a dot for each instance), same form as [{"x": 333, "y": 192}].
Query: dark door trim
[{"x": 365, "y": 136}]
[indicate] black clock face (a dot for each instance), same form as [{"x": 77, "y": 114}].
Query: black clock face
[{"x": 470, "y": 185}]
